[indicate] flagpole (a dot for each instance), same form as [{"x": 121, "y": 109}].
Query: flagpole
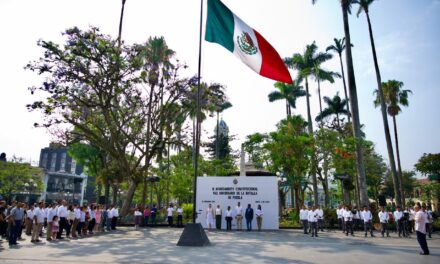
[{"x": 198, "y": 121}]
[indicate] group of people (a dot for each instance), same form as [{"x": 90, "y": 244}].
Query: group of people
[
  {"x": 143, "y": 216},
  {"x": 53, "y": 219},
  {"x": 312, "y": 220},
  {"x": 215, "y": 215}
]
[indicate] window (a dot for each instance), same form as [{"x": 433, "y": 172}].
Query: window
[
  {"x": 53, "y": 161},
  {"x": 63, "y": 162},
  {"x": 73, "y": 167},
  {"x": 44, "y": 163}
]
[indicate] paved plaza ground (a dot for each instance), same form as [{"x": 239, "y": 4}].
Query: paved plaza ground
[{"x": 284, "y": 246}]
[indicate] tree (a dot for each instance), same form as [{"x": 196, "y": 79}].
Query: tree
[
  {"x": 339, "y": 47},
  {"x": 288, "y": 92},
  {"x": 429, "y": 164},
  {"x": 394, "y": 96},
  {"x": 335, "y": 106},
  {"x": 258, "y": 154},
  {"x": 356, "y": 124},
  {"x": 291, "y": 150},
  {"x": 112, "y": 96},
  {"x": 15, "y": 174}
]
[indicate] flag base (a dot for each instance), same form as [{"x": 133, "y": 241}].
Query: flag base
[{"x": 193, "y": 236}]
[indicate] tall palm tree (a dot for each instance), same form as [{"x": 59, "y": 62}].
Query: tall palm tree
[
  {"x": 339, "y": 47},
  {"x": 394, "y": 98},
  {"x": 356, "y": 124},
  {"x": 364, "y": 6},
  {"x": 335, "y": 106},
  {"x": 305, "y": 64},
  {"x": 289, "y": 93}
]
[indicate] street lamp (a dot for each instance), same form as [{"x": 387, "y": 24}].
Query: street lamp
[{"x": 152, "y": 179}]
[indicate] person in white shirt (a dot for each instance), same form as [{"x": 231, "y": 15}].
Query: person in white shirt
[
  {"x": 218, "y": 217},
  {"x": 239, "y": 216},
  {"x": 367, "y": 218},
  {"x": 38, "y": 219},
  {"x": 114, "y": 214},
  {"x": 77, "y": 214},
  {"x": 228, "y": 219},
  {"x": 109, "y": 217},
  {"x": 429, "y": 221},
  {"x": 62, "y": 214},
  {"x": 340, "y": 215},
  {"x": 259, "y": 214},
  {"x": 320, "y": 218},
  {"x": 411, "y": 217},
  {"x": 398, "y": 217},
  {"x": 313, "y": 221},
  {"x": 179, "y": 216},
  {"x": 209, "y": 216},
  {"x": 383, "y": 218},
  {"x": 420, "y": 226},
  {"x": 170, "y": 212},
  {"x": 29, "y": 219},
  {"x": 51, "y": 212},
  {"x": 303, "y": 217},
  {"x": 348, "y": 220},
  {"x": 137, "y": 218}
]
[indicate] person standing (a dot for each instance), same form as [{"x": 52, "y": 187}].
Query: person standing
[
  {"x": 340, "y": 213},
  {"x": 170, "y": 212},
  {"x": 420, "y": 226},
  {"x": 62, "y": 214},
  {"x": 51, "y": 212},
  {"x": 367, "y": 218},
  {"x": 348, "y": 221},
  {"x": 209, "y": 216},
  {"x": 38, "y": 222},
  {"x": 153, "y": 215},
  {"x": 259, "y": 214},
  {"x": 320, "y": 218},
  {"x": 29, "y": 219},
  {"x": 312, "y": 218},
  {"x": 98, "y": 216},
  {"x": 411, "y": 217},
  {"x": 303, "y": 217},
  {"x": 109, "y": 218},
  {"x": 74, "y": 229},
  {"x": 115, "y": 217},
  {"x": 147, "y": 214},
  {"x": 179, "y": 216},
  {"x": 70, "y": 219},
  {"x": 383, "y": 218},
  {"x": 398, "y": 217},
  {"x": 218, "y": 217},
  {"x": 55, "y": 227},
  {"x": 137, "y": 218},
  {"x": 239, "y": 216},
  {"x": 228, "y": 219},
  {"x": 249, "y": 215},
  {"x": 15, "y": 218},
  {"x": 429, "y": 221},
  {"x": 92, "y": 219}
]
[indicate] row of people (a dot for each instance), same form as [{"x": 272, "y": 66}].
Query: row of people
[{"x": 216, "y": 214}]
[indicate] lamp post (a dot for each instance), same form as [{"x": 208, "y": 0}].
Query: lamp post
[{"x": 152, "y": 179}]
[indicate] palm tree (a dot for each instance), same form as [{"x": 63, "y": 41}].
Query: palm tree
[
  {"x": 364, "y": 6},
  {"x": 305, "y": 64},
  {"x": 339, "y": 47},
  {"x": 335, "y": 106},
  {"x": 394, "y": 98},
  {"x": 288, "y": 92},
  {"x": 356, "y": 124}
]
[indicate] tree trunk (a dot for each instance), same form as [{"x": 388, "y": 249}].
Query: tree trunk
[
  {"x": 354, "y": 108},
  {"x": 298, "y": 204},
  {"x": 345, "y": 87},
  {"x": 383, "y": 109},
  {"x": 130, "y": 193},
  {"x": 320, "y": 102},
  {"x": 107, "y": 193},
  {"x": 325, "y": 186},
  {"x": 310, "y": 129},
  {"x": 399, "y": 166},
  {"x": 115, "y": 194}
]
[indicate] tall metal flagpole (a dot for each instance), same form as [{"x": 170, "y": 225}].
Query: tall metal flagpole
[{"x": 197, "y": 132}]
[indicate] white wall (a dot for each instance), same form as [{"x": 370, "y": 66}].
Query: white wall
[{"x": 227, "y": 191}]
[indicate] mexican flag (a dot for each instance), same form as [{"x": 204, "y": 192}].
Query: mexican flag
[{"x": 227, "y": 29}]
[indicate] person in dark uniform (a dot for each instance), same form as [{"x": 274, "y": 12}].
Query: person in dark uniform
[{"x": 249, "y": 215}]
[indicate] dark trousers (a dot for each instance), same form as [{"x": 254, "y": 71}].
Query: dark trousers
[
  {"x": 170, "y": 220},
  {"x": 114, "y": 219},
  {"x": 20, "y": 230},
  {"x": 348, "y": 227},
  {"x": 428, "y": 227},
  {"x": 179, "y": 221},
  {"x": 229, "y": 223},
  {"x": 399, "y": 225},
  {"x": 384, "y": 229},
  {"x": 367, "y": 227},
  {"x": 153, "y": 219},
  {"x": 13, "y": 232},
  {"x": 91, "y": 225},
  {"x": 314, "y": 228},
  {"x": 63, "y": 225},
  {"x": 305, "y": 224},
  {"x": 342, "y": 224},
  {"x": 146, "y": 220},
  {"x": 249, "y": 224},
  {"x": 218, "y": 222},
  {"x": 421, "y": 238},
  {"x": 321, "y": 224},
  {"x": 3, "y": 227},
  {"x": 79, "y": 228}
]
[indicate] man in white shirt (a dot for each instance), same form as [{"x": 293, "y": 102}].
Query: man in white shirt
[
  {"x": 312, "y": 218},
  {"x": 38, "y": 220},
  {"x": 115, "y": 214},
  {"x": 77, "y": 214},
  {"x": 398, "y": 217},
  {"x": 383, "y": 218},
  {"x": 320, "y": 218},
  {"x": 51, "y": 212},
  {"x": 367, "y": 218},
  {"x": 179, "y": 216},
  {"x": 29, "y": 219},
  {"x": 420, "y": 226},
  {"x": 348, "y": 220},
  {"x": 411, "y": 217},
  {"x": 218, "y": 217},
  {"x": 304, "y": 216},
  {"x": 109, "y": 217},
  {"x": 62, "y": 214},
  {"x": 170, "y": 212},
  {"x": 239, "y": 216}
]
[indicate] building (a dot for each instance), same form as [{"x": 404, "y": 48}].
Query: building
[{"x": 64, "y": 178}]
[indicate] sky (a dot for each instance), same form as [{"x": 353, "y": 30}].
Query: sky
[{"x": 406, "y": 34}]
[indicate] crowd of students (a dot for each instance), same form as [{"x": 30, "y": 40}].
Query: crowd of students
[{"x": 53, "y": 220}]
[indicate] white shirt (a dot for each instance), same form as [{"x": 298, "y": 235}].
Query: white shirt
[
  {"x": 218, "y": 211},
  {"x": 312, "y": 216},
  {"x": 77, "y": 213},
  {"x": 366, "y": 216},
  {"x": 339, "y": 213},
  {"x": 228, "y": 213},
  {"x": 238, "y": 210},
  {"x": 397, "y": 215},
  {"x": 111, "y": 213},
  {"x": 348, "y": 215},
  {"x": 39, "y": 214},
  {"x": 116, "y": 212},
  {"x": 412, "y": 214},
  {"x": 62, "y": 211},
  {"x": 356, "y": 215},
  {"x": 50, "y": 214},
  {"x": 83, "y": 216},
  {"x": 303, "y": 214},
  {"x": 137, "y": 213},
  {"x": 383, "y": 217},
  {"x": 170, "y": 211},
  {"x": 420, "y": 222},
  {"x": 320, "y": 213},
  {"x": 259, "y": 213},
  {"x": 179, "y": 211},
  {"x": 30, "y": 214}
]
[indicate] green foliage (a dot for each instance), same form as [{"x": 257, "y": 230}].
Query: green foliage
[
  {"x": 429, "y": 164},
  {"x": 258, "y": 154},
  {"x": 187, "y": 212},
  {"x": 15, "y": 174}
]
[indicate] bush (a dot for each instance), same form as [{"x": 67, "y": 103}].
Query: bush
[
  {"x": 436, "y": 224},
  {"x": 187, "y": 212},
  {"x": 330, "y": 217}
]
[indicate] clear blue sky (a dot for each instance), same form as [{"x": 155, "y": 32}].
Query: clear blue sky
[{"x": 407, "y": 39}]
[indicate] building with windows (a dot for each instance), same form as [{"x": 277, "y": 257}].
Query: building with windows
[{"x": 64, "y": 179}]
